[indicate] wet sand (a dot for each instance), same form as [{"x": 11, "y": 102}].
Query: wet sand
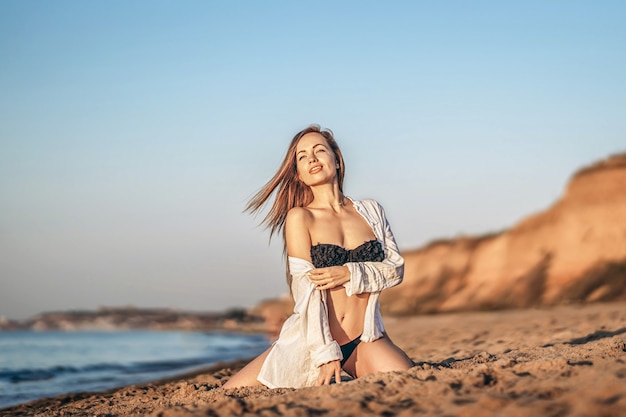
[{"x": 561, "y": 361}]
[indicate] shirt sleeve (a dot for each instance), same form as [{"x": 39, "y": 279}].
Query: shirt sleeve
[
  {"x": 310, "y": 305},
  {"x": 376, "y": 276}
]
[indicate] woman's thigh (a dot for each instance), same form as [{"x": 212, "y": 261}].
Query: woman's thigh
[
  {"x": 381, "y": 355},
  {"x": 248, "y": 375}
]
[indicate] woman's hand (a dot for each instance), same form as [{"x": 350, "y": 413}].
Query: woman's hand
[
  {"x": 327, "y": 371},
  {"x": 331, "y": 277}
]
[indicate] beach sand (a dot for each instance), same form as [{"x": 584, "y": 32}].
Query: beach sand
[{"x": 560, "y": 361}]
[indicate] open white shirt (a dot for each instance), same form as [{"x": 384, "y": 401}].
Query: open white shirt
[{"x": 305, "y": 342}]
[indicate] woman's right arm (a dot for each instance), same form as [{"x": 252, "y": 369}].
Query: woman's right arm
[
  {"x": 297, "y": 235},
  {"x": 325, "y": 351}
]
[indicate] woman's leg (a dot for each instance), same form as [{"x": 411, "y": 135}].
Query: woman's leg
[
  {"x": 247, "y": 377},
  {"x": 381, "y": 355}
]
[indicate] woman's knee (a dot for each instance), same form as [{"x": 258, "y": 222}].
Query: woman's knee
[{"x": 381, "y": 356}]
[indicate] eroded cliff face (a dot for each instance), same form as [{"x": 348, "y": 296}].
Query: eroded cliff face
[{"x": 575, "y": 251}]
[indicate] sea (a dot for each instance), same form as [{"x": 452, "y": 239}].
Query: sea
[{"x": 38, "y": 364}]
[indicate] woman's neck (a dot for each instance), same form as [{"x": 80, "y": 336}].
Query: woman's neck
[{"x": 328, "y": 197}]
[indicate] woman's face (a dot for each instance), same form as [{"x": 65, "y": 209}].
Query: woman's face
[{"x": 315, "y": 161}]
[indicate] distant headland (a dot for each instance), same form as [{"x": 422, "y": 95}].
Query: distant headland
[{"x": 134, "y": 318}]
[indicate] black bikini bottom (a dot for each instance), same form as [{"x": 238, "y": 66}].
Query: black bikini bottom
[{"x": 348, "y": 348}]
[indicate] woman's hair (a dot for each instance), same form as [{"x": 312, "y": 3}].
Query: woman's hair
[{"x": 290, "y": 191}]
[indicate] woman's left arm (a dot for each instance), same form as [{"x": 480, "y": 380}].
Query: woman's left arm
[
  {"x": 364, "y": 277},
  {"x": 376, "y": 276}
]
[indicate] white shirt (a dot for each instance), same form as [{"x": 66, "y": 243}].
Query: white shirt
[{"x": 305, "y": 342}]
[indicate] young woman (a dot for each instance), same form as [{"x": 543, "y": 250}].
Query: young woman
[{"x": 341, "y": 254}]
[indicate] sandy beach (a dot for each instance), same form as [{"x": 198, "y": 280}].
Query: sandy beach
[{"x": 559, "y": 361}]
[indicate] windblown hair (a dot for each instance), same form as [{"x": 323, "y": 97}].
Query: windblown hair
[{"x": 290, "y": 191}]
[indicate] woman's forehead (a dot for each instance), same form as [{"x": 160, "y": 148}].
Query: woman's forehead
[{"x": 310, "y": 140}]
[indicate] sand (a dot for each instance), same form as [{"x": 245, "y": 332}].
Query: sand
[{"x": 561, "y": 361}]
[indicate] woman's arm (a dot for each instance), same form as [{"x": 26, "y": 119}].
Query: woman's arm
[
  {"x": 376, "y": 276},
  {"x": 297, "y": 236},
  {"x": 366, "y": 277},
  {"x": 309, "y": 302}
]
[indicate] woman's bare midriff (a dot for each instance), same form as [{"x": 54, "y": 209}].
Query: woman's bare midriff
[{"x": 346, "y": 314}]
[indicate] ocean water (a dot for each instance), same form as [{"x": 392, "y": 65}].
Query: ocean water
[{"x": 42, "y": 364}]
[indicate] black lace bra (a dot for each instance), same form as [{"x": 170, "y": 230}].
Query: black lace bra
[{"x": 324, "y": 255}]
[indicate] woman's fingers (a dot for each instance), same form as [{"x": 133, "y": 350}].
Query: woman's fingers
[
  {"x": 327, "y": 371},
  {"x": 318, "y": 277},
  {"x": 327, "y": 278},
  {"x": 323, "y": 379}
]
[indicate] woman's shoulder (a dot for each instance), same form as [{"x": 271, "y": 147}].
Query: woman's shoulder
[
  {"x": 298, "y": 216},
  {"x": 297, "y": 238}
]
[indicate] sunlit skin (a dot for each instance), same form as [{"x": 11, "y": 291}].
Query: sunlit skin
[{"x": 331, "y": 218}]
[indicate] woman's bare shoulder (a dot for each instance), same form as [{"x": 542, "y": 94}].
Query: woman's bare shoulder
[
  {"x": 297, "y": 232},
  {"x": 298, "y": 215}
]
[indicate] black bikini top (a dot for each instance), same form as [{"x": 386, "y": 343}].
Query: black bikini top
[{"x": 324, "y": 255}]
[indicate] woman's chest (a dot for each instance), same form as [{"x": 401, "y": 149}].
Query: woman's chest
[{"x": 347, "y": 231}]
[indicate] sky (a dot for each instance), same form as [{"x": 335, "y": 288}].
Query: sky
[{"x": 132, "y": 134}]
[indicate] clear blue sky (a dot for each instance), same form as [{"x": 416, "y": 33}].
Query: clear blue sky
[{"x": 132, "y": 133}]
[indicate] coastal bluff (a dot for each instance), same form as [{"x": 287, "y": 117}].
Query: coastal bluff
[{"x": 572, "y": 252}]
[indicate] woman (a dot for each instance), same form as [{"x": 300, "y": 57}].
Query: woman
[{"x": 336, "y": 323}]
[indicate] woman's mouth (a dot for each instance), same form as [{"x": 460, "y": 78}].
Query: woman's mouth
[{"x": 315, "y": 169}]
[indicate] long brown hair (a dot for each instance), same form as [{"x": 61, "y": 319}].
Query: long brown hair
[{"x": 290, "y": 192}]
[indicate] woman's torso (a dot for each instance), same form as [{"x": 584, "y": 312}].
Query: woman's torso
[{"x": 345, "y": 231}]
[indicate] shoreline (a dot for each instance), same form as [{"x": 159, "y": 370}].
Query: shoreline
[
  {"x": 563, "y": 360},
  {"x": 47, "y": 402},
  {"x": 44, "y": 364}
]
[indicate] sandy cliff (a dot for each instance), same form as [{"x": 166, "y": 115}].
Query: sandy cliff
[{"x": 573, "y": 251}]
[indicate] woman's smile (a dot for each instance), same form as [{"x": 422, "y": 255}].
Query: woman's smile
[{"x": 315, "y": 169}]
